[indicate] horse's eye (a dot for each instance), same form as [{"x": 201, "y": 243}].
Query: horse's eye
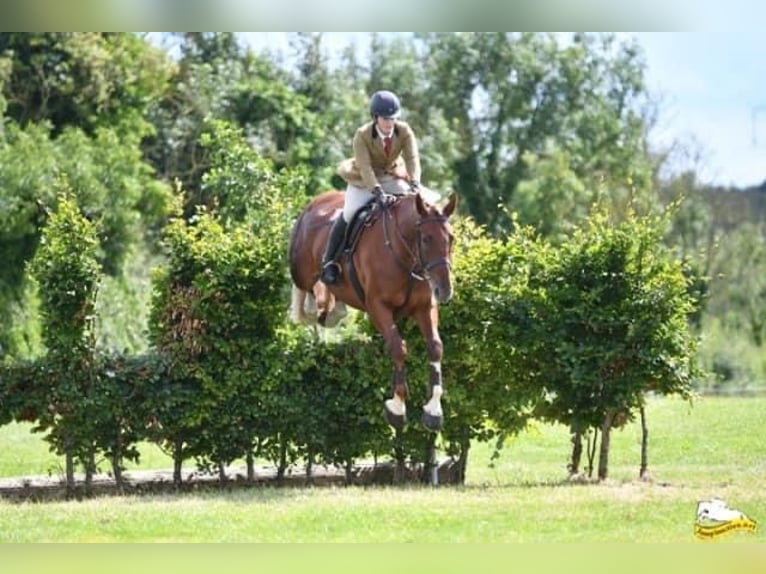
[{"x": 427, "y": 240}]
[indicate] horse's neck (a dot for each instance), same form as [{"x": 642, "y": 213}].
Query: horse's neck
[{"x": 405, "y": 217}]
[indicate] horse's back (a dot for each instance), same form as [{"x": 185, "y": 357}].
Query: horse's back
[{"x": 309, "y": 236}]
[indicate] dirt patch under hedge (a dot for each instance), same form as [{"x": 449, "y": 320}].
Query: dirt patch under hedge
[{"x": 137, "y": 482}]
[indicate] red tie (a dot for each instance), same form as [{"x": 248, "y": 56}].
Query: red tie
[{"x": 387, "y": 144}]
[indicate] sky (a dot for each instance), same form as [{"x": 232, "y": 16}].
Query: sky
[{"x": 711, "y": 88}]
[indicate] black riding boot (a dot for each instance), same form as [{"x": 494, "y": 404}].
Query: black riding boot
[{"x": 330, "y": 269}]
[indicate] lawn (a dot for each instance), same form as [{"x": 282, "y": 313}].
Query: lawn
[{"x": 714, "y": 448}]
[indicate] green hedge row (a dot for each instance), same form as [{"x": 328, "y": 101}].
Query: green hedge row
[{"x": 576, "y": 332}]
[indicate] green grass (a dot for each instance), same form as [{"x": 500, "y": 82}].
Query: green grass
[{"x": 714, "y": 448}]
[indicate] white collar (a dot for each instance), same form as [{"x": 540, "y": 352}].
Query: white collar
[{"x": 382, "y": 135}]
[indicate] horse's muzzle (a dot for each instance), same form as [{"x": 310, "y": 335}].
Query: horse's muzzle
[
  {"x": 443, "y": 296},
  {"x": 440, "y": 281},
  {"x": 442, "y": 293}
]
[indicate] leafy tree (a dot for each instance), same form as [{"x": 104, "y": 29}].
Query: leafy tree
[
  {"x": 216, "y": 78},
  {"x": 739, "y": 283},
  {"x": 86, "y": 80},
  {"x": 599, "y": 322},
  {"x": 74, "y": 106},
  {"x": 112, "y": 185},
  {"x": 481, "y": 402},
  {"x": 219, "y": 300},
  {"x": 522, "y": 101},
  {"x": 66, "y": 272}
]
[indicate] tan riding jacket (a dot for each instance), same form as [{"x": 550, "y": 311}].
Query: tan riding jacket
[{"x": 370, "y": 161}]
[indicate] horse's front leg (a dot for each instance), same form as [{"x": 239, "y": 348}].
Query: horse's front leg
[
  {"x": 433, "y": 416},
  {"x": 396, "y": 406}
]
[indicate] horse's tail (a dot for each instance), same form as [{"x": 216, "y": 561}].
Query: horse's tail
[
  {"x": 298, "y": 299},
  {"x": 292, "y": 247}
]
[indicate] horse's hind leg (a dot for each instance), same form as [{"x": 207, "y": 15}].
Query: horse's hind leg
[
  {"x": 433, "y": 416},
  {"x": 325, "y": 302},
  {"x": 297, "y": 311}
]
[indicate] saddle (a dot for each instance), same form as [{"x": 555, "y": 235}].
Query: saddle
[{"x": 362, "y": 219}]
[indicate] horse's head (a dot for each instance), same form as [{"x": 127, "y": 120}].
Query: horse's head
[{"x": 434, "y": 246}]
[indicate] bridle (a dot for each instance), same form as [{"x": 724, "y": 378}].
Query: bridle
[
  {"x": 420, "y": 269},
  {"x": 437, "y": 261}
]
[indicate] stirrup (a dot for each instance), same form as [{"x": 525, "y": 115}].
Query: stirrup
[{"x": 330, "y": 273}]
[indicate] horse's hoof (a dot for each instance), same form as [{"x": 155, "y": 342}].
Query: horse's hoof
[
  {"x": 396, "y": 421},
  {"x": 322, "y": 319},
  {"x": 431, "y": 422}
]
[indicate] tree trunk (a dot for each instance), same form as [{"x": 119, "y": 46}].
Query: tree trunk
[
  {"x": 250, "y": 462},
  {"x": 462, "y": 461},
  {"x": 592, "y": 451},
  {"x": 178, "y": 461},
  {"x": 644, "y": 445},
  {"x": 282, "y": 468},
  {"x": 400, "y": 471},
  {"x": 349, "y": 468},
  {"x": 90, "y": 470},
  {"x": 574, "y": 463},
  {"x": 310, "y": 467},
  {"x": 69, "y": 462},
  {"x": 603, "y": 455},
  {"x": 117, "y": 461}
]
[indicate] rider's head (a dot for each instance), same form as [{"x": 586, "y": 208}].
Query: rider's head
[{"x": 384, "y": 104}]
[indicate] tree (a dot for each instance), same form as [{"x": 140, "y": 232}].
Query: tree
[
  {"x": 111, "y": 183},
  {"x": 218, "y": 302},
  {"x": 85, "y": 80},
  {"x": 74, "y": 107},
  {"x": 522, "y": 101},
  {"x": 598, "y": 323},
  {"x": 66, "y": 273}
]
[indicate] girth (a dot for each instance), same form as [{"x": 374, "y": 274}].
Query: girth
[{"x": 362, "y": 219}]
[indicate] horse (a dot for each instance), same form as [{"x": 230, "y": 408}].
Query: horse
[{"x": 399, "y": 265}]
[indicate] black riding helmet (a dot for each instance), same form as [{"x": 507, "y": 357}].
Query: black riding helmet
[{"x": 385, "y": 104}]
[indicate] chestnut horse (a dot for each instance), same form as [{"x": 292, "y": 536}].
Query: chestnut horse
[{"x": 399, "y": 266}]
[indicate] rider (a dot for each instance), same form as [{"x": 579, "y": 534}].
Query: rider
[{"x": 386, "y": 159}]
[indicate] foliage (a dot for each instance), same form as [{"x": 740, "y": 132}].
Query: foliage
[
  {"x": 529, "y": 109},
  {"x": 739, "y": 281},
  {"x": 605, "y": 321},
  {"x": 733, "y": 363},
  {"x": 479, "y": 402},
  {"x": 216, "y": 79},
  {"x": 241, "y": 184},
  {"x": 66, "y": 273},
  {"x": 105, "y": 173},
  {"x": 218, "y": 302},
  {"x": 85, "y": 80},
  {"x": 565, "y": 318}
]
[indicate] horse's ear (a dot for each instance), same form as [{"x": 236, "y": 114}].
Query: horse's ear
[
  {"x": 450, "y": 207},
  {"x": 422, "y": 210}
]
